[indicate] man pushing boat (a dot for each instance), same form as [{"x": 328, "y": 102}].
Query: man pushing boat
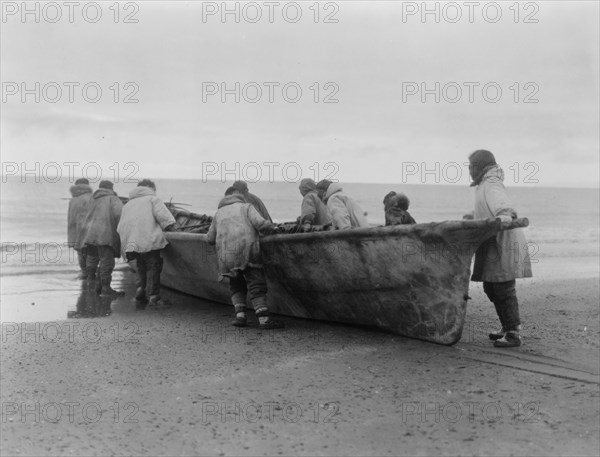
[
  {"x": 345, "y": 211},
  {"x": 395, "y": 207},
  {"x": 78, "y": 207},
  {"x": 100, "y": 240},
  {"x": 312, "y": 210},
  {"x": 144, "y": 218},
  {"x": 242, "y": 188},
  {"x": 235, "y": 231}
]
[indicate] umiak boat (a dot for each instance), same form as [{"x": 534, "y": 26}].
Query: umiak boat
[{"x": 412, "y": 280}]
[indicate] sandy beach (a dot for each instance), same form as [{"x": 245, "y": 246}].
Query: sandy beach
[{"x": 182, "y": 381}]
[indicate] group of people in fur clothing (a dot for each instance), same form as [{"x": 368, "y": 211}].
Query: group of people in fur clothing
[
  {"x": 136, "y": 229},
  {"x": 102, "y": 228}
]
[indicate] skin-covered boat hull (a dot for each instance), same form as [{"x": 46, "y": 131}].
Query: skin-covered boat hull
[{"x": 410, "y": 280}]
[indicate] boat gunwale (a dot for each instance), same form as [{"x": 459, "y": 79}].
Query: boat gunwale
[
  {"x": 379, "y": 231},
  {"x": 382, "y": 231}
]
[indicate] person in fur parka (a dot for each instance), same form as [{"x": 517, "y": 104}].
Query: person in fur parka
[
  {"x": 100, "y": 240},
  {"x": 81, "y": 193},
  {"x": 503, "y": 258},
  {"x": 345, "y": 211},
  {"x": 143, "y": 220},
  {"x": 235, "y": 232}
]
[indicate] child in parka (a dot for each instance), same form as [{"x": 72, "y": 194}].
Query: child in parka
[
  {"x": 235, "y": 232},
  {"x": 396, "y": 210}
]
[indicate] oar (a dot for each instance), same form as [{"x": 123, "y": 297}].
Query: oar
[{"x": 515, "y": 223}]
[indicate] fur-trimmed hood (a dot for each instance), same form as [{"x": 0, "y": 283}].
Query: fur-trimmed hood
[
  {"x": 80, "y": 189},
  {"x": 332, "y": 189},
  {"x": 230, "y": 200},
  {"x": 103, "y": 193},
  {"x": 141, "y": 191}
]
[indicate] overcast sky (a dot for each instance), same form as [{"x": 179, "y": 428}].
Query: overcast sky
[{"x": 374, "y": 61}]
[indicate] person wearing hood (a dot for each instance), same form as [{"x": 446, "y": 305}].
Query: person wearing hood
[
  {"x": 81, "y": 193},
  {"x": 503, "y": 258},
  {"x": 396, "y": 209},
  {"x": 141, "y": 227},
  {"x": 322, "y": 188},
  {"x": 101, "y": 240},
  {"x": 242, "y": 188},
  {"x": 235, "y": 232},
  {"x": 344, "y": 210},
  {"x": 312, "y": 211},
  {"x": 387, "y": 199}
]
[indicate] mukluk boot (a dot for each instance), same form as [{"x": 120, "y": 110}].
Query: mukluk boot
[
  {"x": 240, "y": 315},
  {"x": 107, "y": 291},
  {"x": 265, "y": 321}
]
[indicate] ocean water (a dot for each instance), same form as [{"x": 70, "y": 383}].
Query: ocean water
[{"x": 564, "y": 222}]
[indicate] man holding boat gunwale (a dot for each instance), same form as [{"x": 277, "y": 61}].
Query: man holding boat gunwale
[
  {"x": 242, "y": 188},
  {"x": 504, "y": 257},
  {"x": 235, "y": 232},
  {"x": 344, "y": 210},
  {"x": 312, "y": 211},
  {"x": 100, "y": 240},
  {"x": 395, "y": 207},
  {"x": 144, "y": 218}
]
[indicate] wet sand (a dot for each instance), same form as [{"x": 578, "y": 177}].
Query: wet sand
[{"x": 182, "y": 381}]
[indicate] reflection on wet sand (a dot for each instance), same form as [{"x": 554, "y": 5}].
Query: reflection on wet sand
[{"x": 90, "y": 304}]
